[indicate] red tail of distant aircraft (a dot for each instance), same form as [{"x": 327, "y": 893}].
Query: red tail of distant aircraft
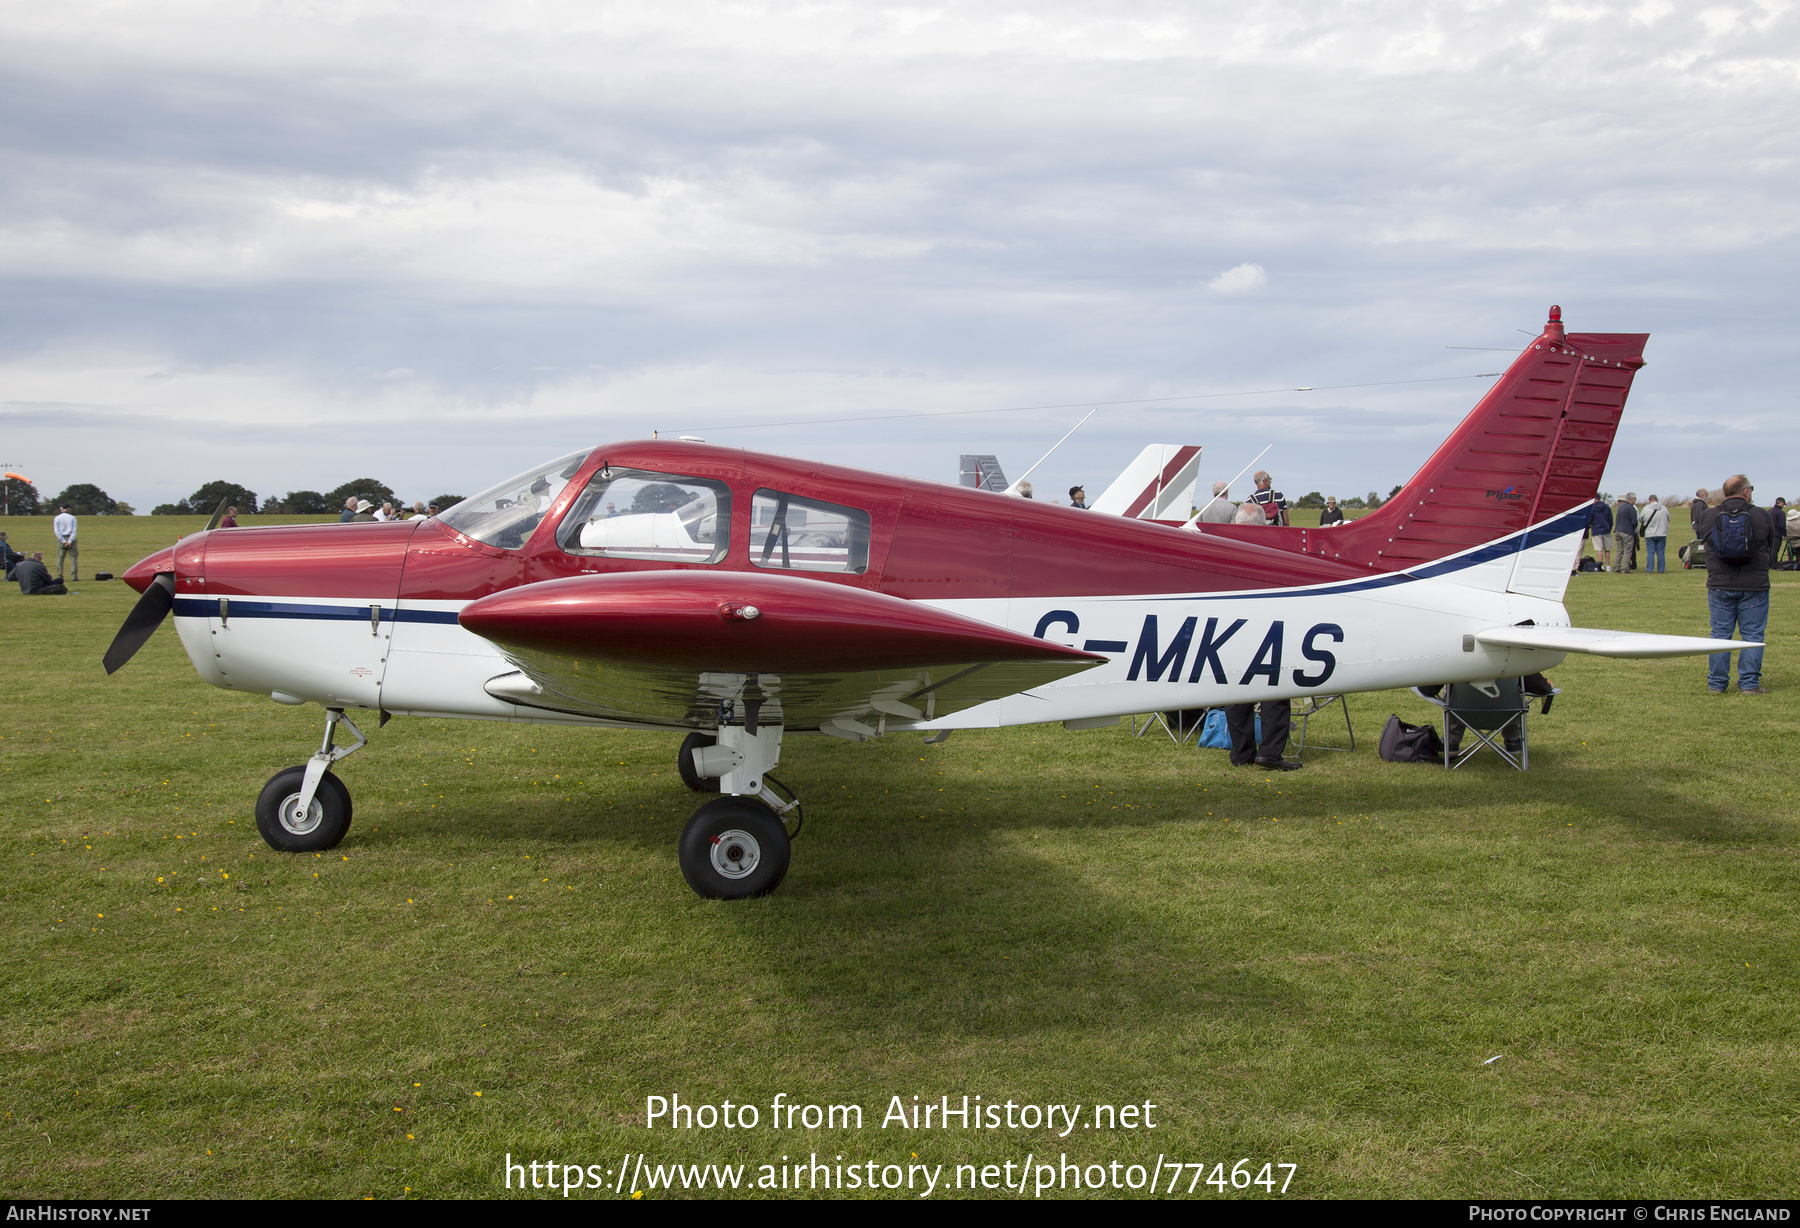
[{"x": 734, "y": 597}]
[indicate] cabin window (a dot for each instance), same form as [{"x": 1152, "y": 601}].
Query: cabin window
[
  {"x": 797, "y": 534},
  {"x": 637, "y": 514},
  {"x": 507, "y": 514}
]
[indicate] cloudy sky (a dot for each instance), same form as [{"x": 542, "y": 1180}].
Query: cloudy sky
[{"x": 294, "y": 244}]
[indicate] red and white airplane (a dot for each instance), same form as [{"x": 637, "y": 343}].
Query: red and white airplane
[{"x": 736, "y": 597}]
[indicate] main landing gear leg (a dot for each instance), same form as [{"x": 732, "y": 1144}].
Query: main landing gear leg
[
  {"x": 738, "y": 845},
  {"x": 306, "y": 809}
]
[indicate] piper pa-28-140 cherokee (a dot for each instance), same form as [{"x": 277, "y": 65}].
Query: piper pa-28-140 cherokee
[{"x": 735, "y": 597}]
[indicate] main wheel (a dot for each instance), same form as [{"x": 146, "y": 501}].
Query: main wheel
[
  {"x": 282, "y": 825},
  {"x": 734, "y": 848},
  {"x": 684, "y": 763}
]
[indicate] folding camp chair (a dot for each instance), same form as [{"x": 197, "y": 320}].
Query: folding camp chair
[
  {"x": 1179, "y": 724},
  {"x": 1316, "y": 704},
  {"x": 1493, "y": 712}
]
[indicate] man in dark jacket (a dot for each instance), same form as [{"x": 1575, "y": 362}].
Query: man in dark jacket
[
  {"x": 34, "y": 578},
  {"x": 1625, "y": 527},
  {"x": 1740, "y": 544},
  {"x": 1600, "y": 528}
]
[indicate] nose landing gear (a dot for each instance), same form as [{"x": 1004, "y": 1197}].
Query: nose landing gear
[{"x": 306, "y": 809}]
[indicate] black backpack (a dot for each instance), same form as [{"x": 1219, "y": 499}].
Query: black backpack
[
  {"x": 1730, "y": 537},
  {"x": 1404, "y": 743}
]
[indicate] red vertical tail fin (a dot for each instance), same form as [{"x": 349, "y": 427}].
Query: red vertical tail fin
[{"x": 1535, "y": 446}]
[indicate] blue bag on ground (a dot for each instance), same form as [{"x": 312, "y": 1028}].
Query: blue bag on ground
[{"x": 1214, "y": 732}]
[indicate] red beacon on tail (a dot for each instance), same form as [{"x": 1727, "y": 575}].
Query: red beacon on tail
[{"x": 734, "y": 597}]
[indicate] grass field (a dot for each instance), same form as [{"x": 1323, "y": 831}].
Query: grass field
[{"x": 502, "y": 957}]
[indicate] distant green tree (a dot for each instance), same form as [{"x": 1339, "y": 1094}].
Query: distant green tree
[
  {"x": 363, "y": 488},
  {"x": 170, "y": 509},
  {"x": 303, "y": 503},
  {"x": 446, "y": 502},
  {"x": 658, "y": 497},
  {"x": 123, "y": 509},
  {"x": 1352, "y": 501},
  {"x": 1374, "y": 499},
  {"x": 205, "y": 500},
  {"x": 1394, "y": 492},
  {"x": 85, "y": 499},
  {"x": 1310, "y": 499},
  {"x": 20, "y": 499}
]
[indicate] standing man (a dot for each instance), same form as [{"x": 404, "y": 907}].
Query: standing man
[
  {"x": 1277, "y": 714},
  {"x": 64, "y": 528},
  {"x": 1656, "y": 537},
  {"x": 1739, "y": 546},
  {"x": 1333, "y": 514},
  {"x": 1077, "y": 497},
  {"x": 349, "y": 512},
  {"x": 1600, "y": 526},
  {"x": 1274, "y": 507},
  {"x": 1221, "y": 510},
  {"x": 1625, "y": 529}
]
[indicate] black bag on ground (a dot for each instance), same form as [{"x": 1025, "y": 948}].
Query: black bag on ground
[
  {"x": 1588, "y": 565},
  {"x": 1404, "y": 743}
]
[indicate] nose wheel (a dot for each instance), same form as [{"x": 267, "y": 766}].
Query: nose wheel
[
  {"x": 306, "y": 809},
  {"x": 734, "y": 848}
]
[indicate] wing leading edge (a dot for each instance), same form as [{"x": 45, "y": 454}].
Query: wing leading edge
[{"x": 692, "y": 649}]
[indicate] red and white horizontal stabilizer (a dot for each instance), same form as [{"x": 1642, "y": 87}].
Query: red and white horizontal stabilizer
[
  {"x": 1599, "y": 643},
  {"x": 1158, "y": 485}
]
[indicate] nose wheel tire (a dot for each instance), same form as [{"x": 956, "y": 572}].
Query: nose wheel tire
[
  {"x": 285, "y": 829},
  {"x": 734, "y": 848},
  {"x": 684, "y": 763}
]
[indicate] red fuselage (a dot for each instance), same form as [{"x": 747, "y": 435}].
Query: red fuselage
[{"x": 926, "y": 541}]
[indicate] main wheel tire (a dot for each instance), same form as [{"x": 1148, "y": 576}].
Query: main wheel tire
[
  {"x": 284, "y": 829},
  {"x": 734, "y": 848},
  {"x": 684, "y": 763}
]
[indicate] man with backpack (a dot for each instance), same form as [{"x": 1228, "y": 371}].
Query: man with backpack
[{"x": 1740, "y": 544}]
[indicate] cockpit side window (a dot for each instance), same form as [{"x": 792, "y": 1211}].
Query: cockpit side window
[
  {"x": 638, "y": 514},
  {"x": 797, "y": 534},
  {"x": 505, "y": 515}
]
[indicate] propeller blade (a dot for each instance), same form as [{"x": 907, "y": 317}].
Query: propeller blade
[
  {"x": 145, "y": 617},
  {"x": 218, "y": 515}
]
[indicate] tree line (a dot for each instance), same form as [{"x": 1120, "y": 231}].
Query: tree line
[{"x": 86, "y": 499}]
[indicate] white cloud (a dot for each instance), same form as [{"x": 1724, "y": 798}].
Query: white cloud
[
  {"x": 1239, "y": 278},
  {"x": 1006, "y": 201}
]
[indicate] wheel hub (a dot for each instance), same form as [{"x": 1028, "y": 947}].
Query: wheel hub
[
  {"x": 296, "y": 823},
  {"x": 735, "y": 853}
]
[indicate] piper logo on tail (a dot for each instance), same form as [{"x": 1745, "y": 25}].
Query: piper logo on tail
[{"x": 1511, "y": 492}]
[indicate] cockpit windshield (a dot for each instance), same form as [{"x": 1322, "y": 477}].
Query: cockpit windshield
[{"x": 505, "y": 515}]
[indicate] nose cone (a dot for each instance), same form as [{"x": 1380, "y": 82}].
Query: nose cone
[{"x": 141, "y": 573}]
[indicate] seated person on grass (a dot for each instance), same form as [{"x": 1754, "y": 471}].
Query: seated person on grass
[{"x": 34, "y": 578}]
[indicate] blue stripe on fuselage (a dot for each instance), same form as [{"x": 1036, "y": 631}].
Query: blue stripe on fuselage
[
  {"x": 1569, "y": 522},
  {"x": 238, "y": 607}
]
